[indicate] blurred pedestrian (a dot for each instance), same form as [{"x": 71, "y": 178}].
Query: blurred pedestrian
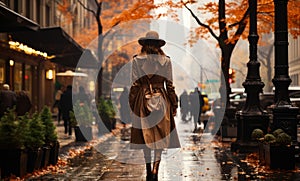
[
  {"x": 124, "y": 107},
  {"x": 23, "y": 103},
  {"x": 184, "y": 105},
  {"x": 196, "y": 100},
  {"x": 8, "y": 99},
  {"x": 82, "y": 97},
  {"x": 67, "y": 106},
  {"x": 56, "y": 104},
  {"x": 153, "y": 101}
]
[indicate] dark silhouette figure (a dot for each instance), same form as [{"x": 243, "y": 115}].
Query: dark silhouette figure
[
  {"x": 8, "y": 99},
  {"x": 124, "y": 107},
  {"x": 23, "y": 103},
  {"x": 82, "y": 97},
  {"x": 58, "y": 94},
  {"x": 184, "y": 105},
  {"x": 196, "y": 106},
  {"x": 67, "y": 106}
]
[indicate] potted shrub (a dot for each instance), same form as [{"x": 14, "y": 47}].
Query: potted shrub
[
  {"x": 278, "y": 151},
  {"x": 34, "y": 142},
  {"x": 107, "y": 114},
  {"x": 13, "y": 155},
  {"x": 82, "y": 121},
  {"x": 51, "y": 146},
  {"x": 258, "y": 135}
]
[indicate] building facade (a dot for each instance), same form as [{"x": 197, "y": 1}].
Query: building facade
[
  {"x": 26, "y": 65},
  {"x": 294, "y": 60}
]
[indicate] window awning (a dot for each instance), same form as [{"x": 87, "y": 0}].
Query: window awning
[
  {"x": 55, "y": 41},
  {"x": 11, "y": 21}
]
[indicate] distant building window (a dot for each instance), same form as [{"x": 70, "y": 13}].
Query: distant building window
[
  {"x": 295, "y": 79},
  {"x": 28, "y": 8},
  {"x": 16, "y": 6},
  {"x": 38, "y": 12},
  {"x": 47, "y": 15}
]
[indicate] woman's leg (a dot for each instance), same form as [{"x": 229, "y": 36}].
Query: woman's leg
[
  {"x": 147, "y": 156},
  {"x": 157, "y": 157}
]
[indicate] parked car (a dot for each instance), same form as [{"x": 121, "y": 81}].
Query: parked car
[
  {"x": 266, "y": 99},
  {"x": 295, "y": 98},
  {"x": 294, "y": 94},
  {"x": 238, "y": 100}
]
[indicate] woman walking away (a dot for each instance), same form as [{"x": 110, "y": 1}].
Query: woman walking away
[{"x": 153, "y": 101}]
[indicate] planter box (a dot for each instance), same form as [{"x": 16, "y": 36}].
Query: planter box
[
  {"x": 108, "y": 125},
  {"x": 13, "y": 162},
  {"x": 46, "y": 156},
  {"x": 54, "y": 152},
  {"x": 113, "y": 123},
  {"x": 83, "y": 133},
  {"x": 280, "y": 157},
  {"x": 34, "y": 159},
  {"x": 261, "y": 153}
]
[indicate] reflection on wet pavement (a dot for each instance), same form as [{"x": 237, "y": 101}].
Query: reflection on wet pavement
[{"x": 201, "y": 157}]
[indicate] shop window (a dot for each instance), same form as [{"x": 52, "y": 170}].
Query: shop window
[
  {"x": 2, "y": 71},
  {"x": 28, "y": 80},
  {"x": 18, "y": 77}
]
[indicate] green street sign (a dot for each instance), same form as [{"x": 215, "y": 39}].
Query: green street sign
[{"x": 212, "y": 81}]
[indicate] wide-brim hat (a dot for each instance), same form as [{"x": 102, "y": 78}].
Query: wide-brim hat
[{"x": 152, "y": 38}]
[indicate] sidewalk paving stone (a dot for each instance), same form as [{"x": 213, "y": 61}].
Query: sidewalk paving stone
[{"x": 201, "y": 157}]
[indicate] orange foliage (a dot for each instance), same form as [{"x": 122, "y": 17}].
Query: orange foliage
[
  {"x": 235, "y": 11},
  {"x": 113, "y": 12},
  {"x": 63, "y": 7}
]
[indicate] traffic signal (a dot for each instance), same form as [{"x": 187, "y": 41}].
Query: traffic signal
[{"x": 231, "y": 78}]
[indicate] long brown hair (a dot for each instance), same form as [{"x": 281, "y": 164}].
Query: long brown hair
[{"x": 150, "y": 49}]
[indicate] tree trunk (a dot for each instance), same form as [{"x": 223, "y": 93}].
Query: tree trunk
[
  {"x": 225, "y": 89},
  {"x": 100, "y": 54},
  {"x": 269, "y": 68}
]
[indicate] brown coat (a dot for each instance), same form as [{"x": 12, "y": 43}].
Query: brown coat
[{"x": 162, "y": 133}]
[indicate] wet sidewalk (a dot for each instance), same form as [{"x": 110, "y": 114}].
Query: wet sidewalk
[{"x": 201, "y": 157}]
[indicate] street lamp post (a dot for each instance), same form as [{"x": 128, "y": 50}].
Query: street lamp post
[
  {"x": 252, "y": 116},
  {"x": 284, "y": 114}
]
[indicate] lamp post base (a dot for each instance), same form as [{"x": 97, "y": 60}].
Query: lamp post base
[
  {"x": 285, "y": 118},
  {"x": 246, "y": 124}
]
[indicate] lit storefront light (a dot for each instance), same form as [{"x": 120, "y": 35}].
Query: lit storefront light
[
  {"x": 28, "y": 50},
  {"x": 49, "y": 74},
  {"x": 11, "y": 63},
  {"x": 92, "y": 86}
]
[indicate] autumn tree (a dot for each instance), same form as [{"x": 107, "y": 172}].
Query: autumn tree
[
  {"x": 265, "y": 57},
  {"x": 227, "y": 22},
  {"x": 108, "y": 14}
]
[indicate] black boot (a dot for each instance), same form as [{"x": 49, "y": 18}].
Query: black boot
[
  {"x": 149, "y": 172},
  {"x": 155, "y": 170}
]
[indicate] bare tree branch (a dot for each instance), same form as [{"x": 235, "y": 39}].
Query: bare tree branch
[
  {"x": 98, "y": 4},
  {"x": 241, "y": 27},
  {"x": 99, "y": 8},
  {"x": 242, "y": 20},
  {"x": 86, "y": 8},
  {"x": 200, "y": 23}
]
